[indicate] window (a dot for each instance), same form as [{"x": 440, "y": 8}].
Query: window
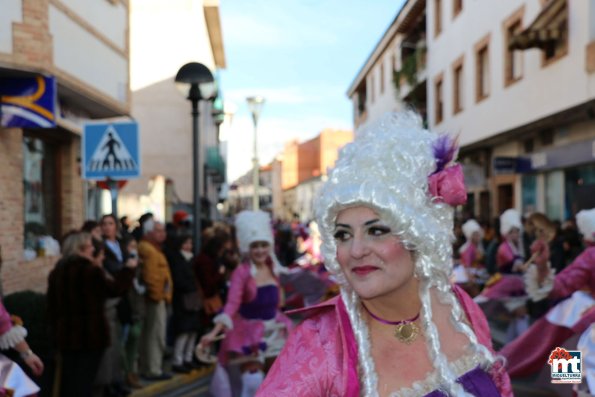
[
  {"x": 437, "y": 17},
  {"x": 372, "y": 89},
  {"x": 513, "y": 58},
  {"x": 382, "y": 78},
  {"x": 438, "y": 100},
  {"x": 529, "y": 145},
  {"x": 547, "y": 137},
  {"x": 482, "y": 69},
  {"x": 458, "y": 87},
  {"x": 457, "y": 7},
  {"x": 40, "y": 187},
  {"x": 555, "y": 49},
  {"x": 393, "y": 63}
]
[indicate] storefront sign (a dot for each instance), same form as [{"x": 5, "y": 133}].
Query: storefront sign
[
  {"x": 511, "y": 165},
  {"x": 28, "y": 102}
]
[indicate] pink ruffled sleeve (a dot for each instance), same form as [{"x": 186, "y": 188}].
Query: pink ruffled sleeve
[
  {"x": 241, "y": 289},
  {"x": 481, "y": 328},
  {"x": 504, "y": 255},
  {"x": 579, "y": 274},
  {"x": 305, "y": 367}
]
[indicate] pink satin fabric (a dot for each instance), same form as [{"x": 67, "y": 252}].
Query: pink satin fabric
[{"x": 320, "y": 356}]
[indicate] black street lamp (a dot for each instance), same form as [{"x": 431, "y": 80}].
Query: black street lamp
[{"x": 196, "y": 83}]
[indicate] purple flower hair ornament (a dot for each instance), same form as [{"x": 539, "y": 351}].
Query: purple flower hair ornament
[{"x": 447, "y": 183}]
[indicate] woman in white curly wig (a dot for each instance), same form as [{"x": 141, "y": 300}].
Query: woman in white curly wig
[
  {"x": 251, "y": 320},
  {"x": 398, "y": 328}
]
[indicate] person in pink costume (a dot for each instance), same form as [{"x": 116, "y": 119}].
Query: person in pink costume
[
  {"x": 250, "y": 318},
  {"x": 472, "y": 252},
  {"x": 571, "y": 316},
  {"x": 398, "y": 327},
  {"x": 505, "y": 290}
]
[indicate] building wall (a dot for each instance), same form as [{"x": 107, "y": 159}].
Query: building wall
[
  {"x": 84, "y": 45},
  {"x": 105, "y": 63},
  {"x": 289, "y": 178},
  {"x": 308, "y": 159},
  {"x": 525, "y": 100},
  {"x": 161, "y": 110},
  {"x": 331, "y": 141}
]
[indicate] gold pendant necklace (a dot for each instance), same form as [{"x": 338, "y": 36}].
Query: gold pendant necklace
[{"x": 406, "y": 330}]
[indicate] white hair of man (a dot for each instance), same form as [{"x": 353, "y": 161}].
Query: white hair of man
[{"x": 386, "y": 168}]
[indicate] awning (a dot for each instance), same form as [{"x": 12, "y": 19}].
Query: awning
[
  {"x": 215, "y": 164},
  {"x": 547, "y": 27}
]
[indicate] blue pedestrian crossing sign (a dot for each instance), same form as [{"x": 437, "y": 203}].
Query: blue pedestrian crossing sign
[{"x": 110, "y": 150}]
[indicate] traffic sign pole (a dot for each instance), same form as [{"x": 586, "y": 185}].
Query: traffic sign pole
[{"x": 113, "y": 189}]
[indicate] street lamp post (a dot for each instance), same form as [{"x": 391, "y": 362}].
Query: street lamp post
[
  {"x": 196, "y": 82},
  {"x": 255, "y": 104}
]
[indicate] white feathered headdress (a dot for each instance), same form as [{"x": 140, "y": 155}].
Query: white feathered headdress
[
  {"x": 585, "y": 220},
  {"x": 509, "y": 220},
  {"x": 253, "y": 226}
]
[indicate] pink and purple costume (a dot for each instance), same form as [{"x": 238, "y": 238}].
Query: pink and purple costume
[
  {"x": 563, "y": 321},
  {"x": 320, "y": 357},
  {"x": 248, "y": 306}
]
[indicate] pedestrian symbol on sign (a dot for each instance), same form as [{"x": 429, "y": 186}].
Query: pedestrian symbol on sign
[
  {"x": 111, "y": 154},
  {"x": 111, "y": 151}
]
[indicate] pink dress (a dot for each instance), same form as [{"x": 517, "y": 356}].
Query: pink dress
[
  {"x": 320, "y": 356},
  {"x": 246, "y": 336},
  {"x": 471, "y": 256},
  {"x": 524, "y": 356}
]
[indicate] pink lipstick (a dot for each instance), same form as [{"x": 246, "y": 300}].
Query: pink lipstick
[{"x": 363, "y": 270}]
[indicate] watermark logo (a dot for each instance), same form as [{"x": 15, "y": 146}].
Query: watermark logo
[{"x": 566, "y": 366}]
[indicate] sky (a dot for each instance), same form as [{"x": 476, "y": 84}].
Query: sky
[{"x": 301, "y": 55}]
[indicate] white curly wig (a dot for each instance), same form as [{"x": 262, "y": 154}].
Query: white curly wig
[
  {"x": 386, "y": 168},
  {"x": 253, "y": 226},
  {"x": 585, "y": 221}
]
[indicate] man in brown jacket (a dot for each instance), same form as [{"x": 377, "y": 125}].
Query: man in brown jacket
[{"x": 157, "y": 277}]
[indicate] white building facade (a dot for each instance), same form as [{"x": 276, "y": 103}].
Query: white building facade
[
  {"x": 165, "y": 36},
  {"x": 514, "y": 80}
]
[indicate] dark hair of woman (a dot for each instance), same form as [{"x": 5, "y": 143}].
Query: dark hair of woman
[
  {"x": 89, "y": 225},
  {"x": 213, "y": 241}
]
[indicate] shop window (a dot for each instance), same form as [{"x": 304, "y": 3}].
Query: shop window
[
  {"x": 529, "y": 193},
  {"x": 554, "y": 195},
  {"x": 41, "y": 200},
  {"x": 529, "y": 145},
  {"x": 547, "y": 137}
]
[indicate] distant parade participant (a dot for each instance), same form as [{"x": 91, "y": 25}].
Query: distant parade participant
[
  {"x": 250, "y": 312},
  {"x": 506, "y": 287},
  {"x": 575, "y": 315}
]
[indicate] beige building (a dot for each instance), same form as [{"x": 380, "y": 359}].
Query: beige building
[
  {"x": 514, "y": 80},
  {"x": 165, "y": 35},
  {"x": 81, "y": 50},
  {"x": 289, "y": 183},
  {"x": 304, "y": 167}
]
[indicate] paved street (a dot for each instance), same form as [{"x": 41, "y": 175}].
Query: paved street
[{"x": 194, "y": 384}]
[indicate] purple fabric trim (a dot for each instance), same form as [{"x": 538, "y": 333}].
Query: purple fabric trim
[
  {"x": 352, "y": 381},
  {"x": 264, "y": 306},
  {"x": 476, "y": 382}
]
